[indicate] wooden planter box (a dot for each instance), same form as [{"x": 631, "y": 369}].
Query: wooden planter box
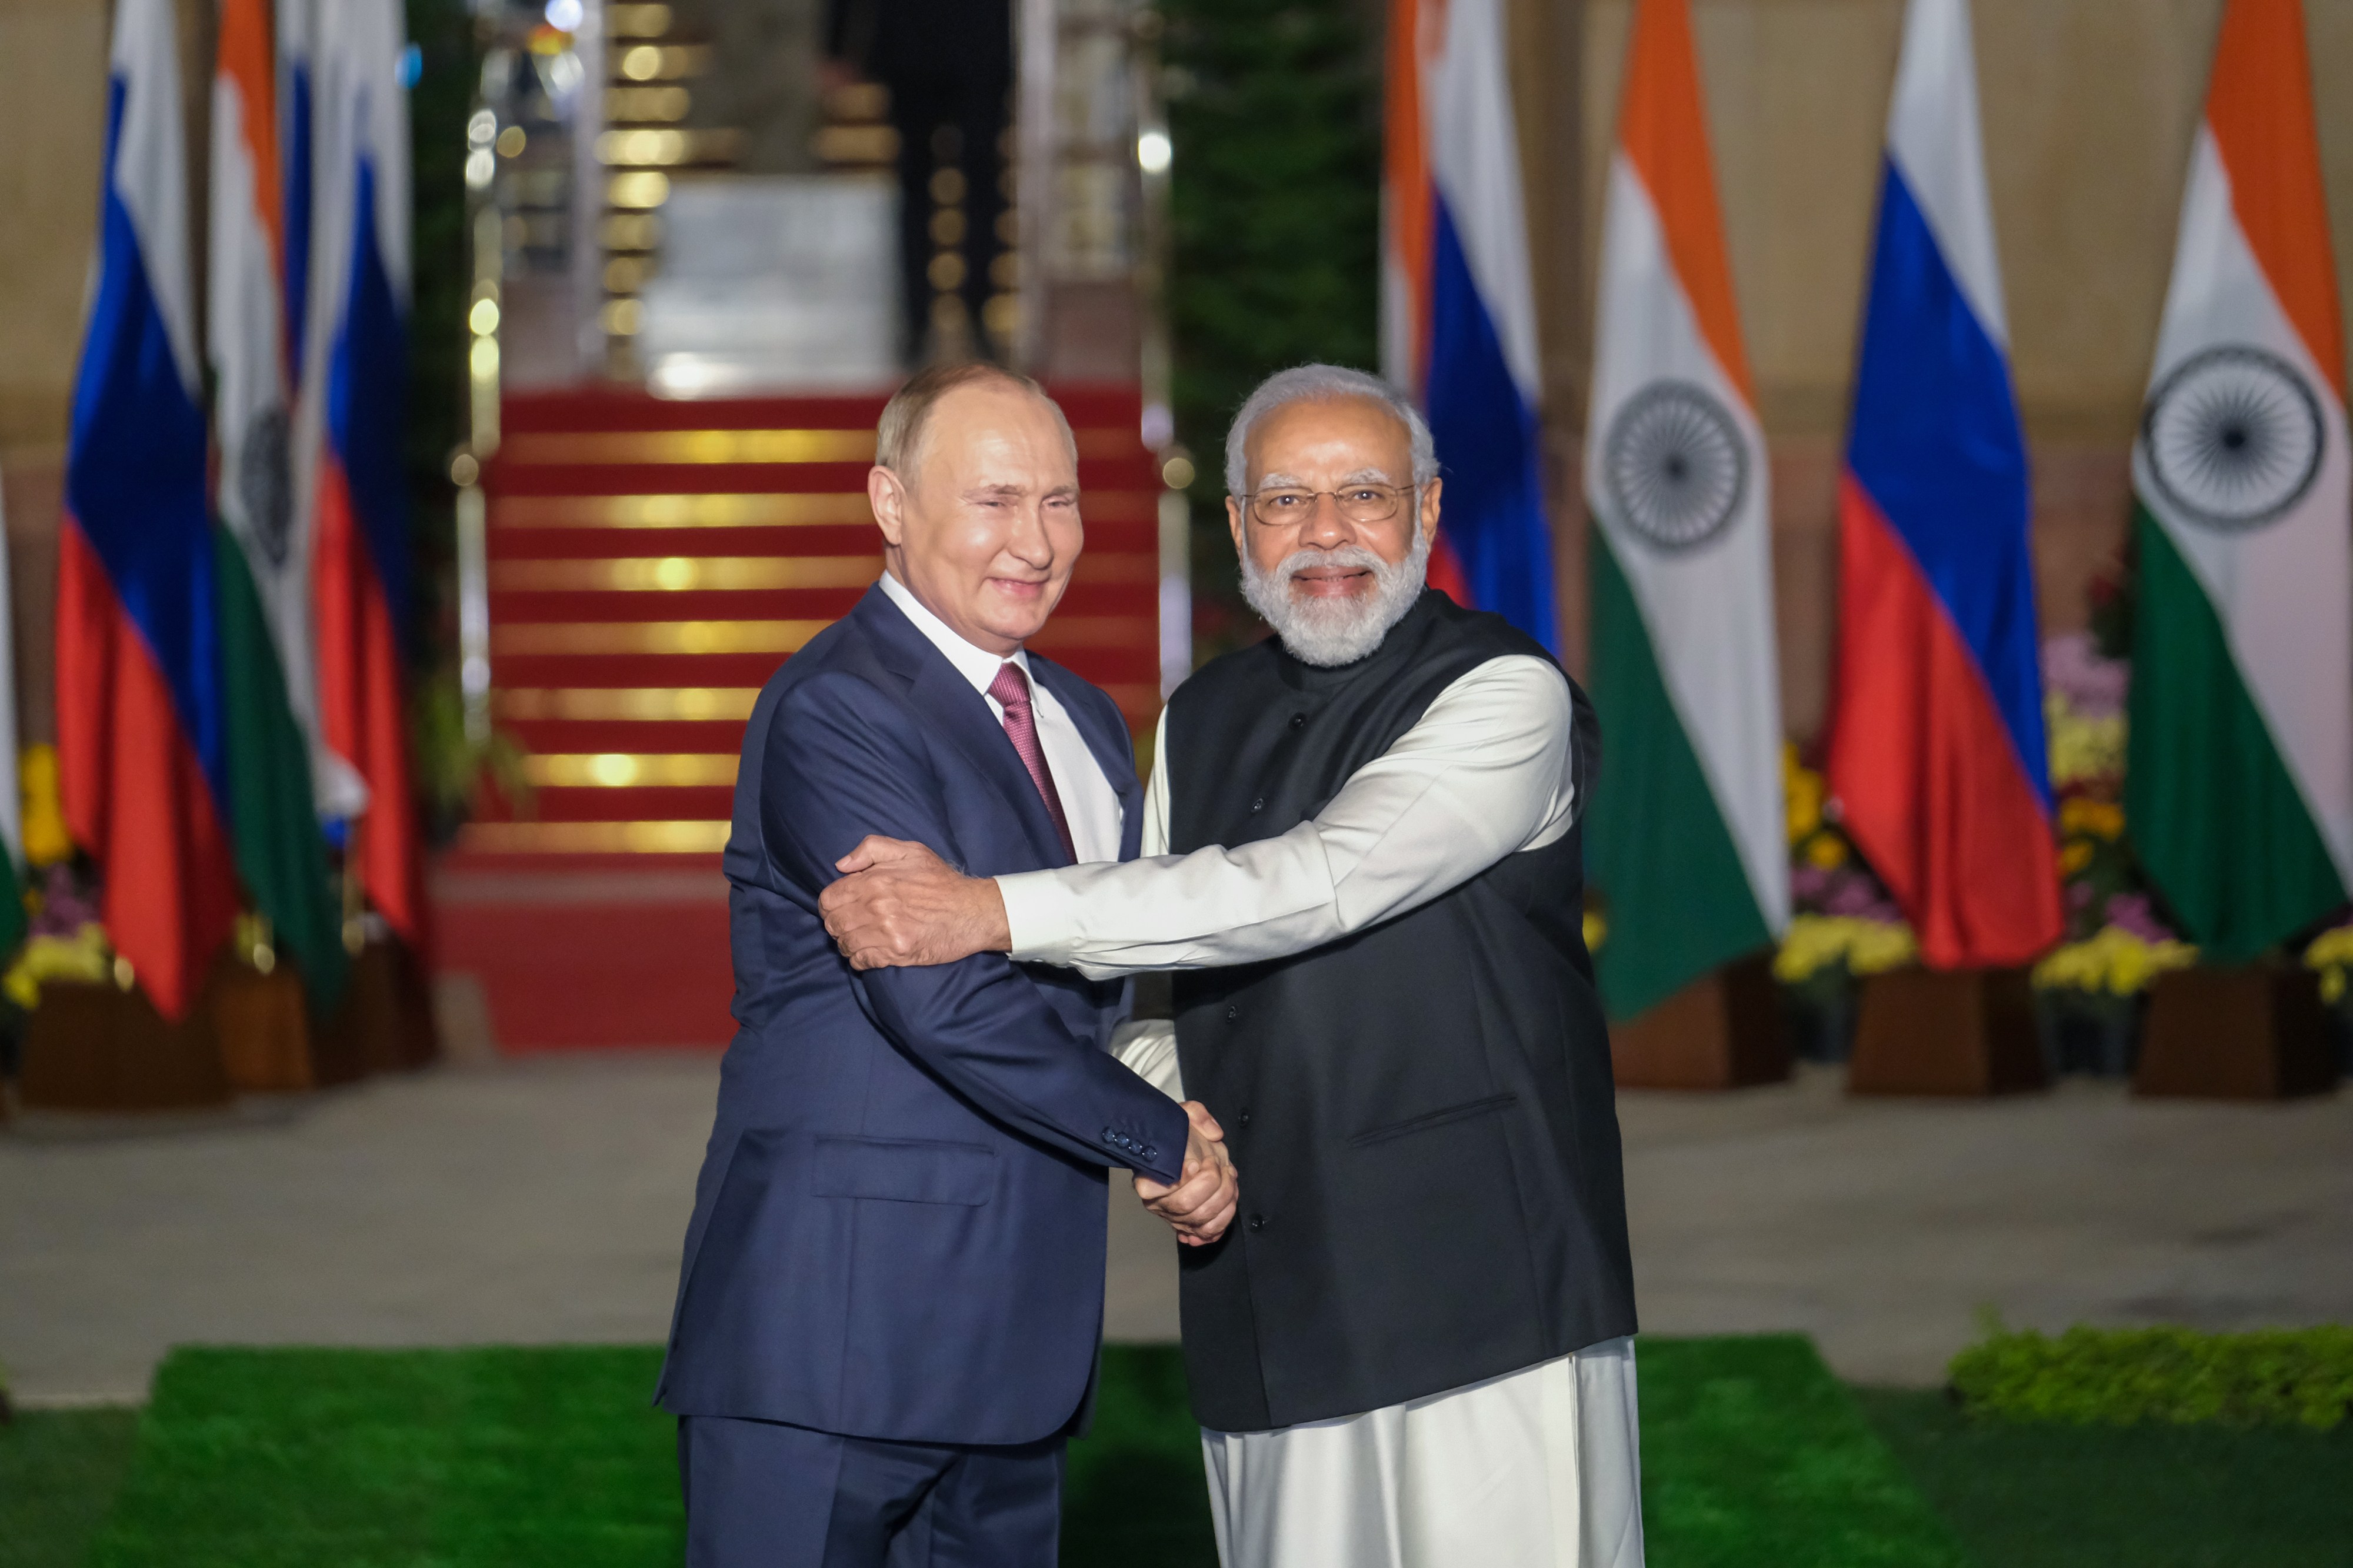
[
  {"x": 385, "y": 1022},
  {"x": 96, "y": 1047},
  {"x": 1947, "y": 1032},
  {"x": 263, "y": 1023},
  {"x": 1723, "y": 1030},
  {"x": 2255, "y": 1032}
]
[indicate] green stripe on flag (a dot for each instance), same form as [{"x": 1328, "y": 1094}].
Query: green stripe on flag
[
  {"x": 1655, "y": 841},
  {"x": 280, "y": 852},
  {"x": 2213, "y": 812}
]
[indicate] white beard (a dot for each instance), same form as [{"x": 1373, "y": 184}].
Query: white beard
[{"x": 1329, "y": 632}]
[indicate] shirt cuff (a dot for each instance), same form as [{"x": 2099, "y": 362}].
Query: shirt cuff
[{"x": 1041, "y": 917}]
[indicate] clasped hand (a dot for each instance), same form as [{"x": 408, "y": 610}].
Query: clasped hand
[{"x": 896, "y": 905}]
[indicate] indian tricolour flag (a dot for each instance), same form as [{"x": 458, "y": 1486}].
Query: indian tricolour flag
[
  {"x": 264, "y": 609},
  {"x": 1687, "y": 837},
  {"x": 2240, "y": 783}
]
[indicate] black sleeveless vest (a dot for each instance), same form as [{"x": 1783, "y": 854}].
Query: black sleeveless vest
[{"x": 1422, "y": 1113}]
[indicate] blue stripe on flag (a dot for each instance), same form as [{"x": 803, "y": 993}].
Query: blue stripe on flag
[
  {"x": 1493, "y": 502},
  {"x": 367, "y": 383},
  {"x": 1936, "y": 444},
  {"x": 135, "y": 476}
]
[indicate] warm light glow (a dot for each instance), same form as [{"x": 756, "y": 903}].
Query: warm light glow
[
  {"x": 484, "y": 318},
  {"x": 1152, "y": 152}
]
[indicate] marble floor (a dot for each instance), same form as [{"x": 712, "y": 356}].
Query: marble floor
[{"x": 542, "y": 1201}]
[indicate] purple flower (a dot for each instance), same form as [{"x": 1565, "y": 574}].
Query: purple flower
[
  {"x": 2093, "y": 687},
  {"x": 2131, "y": 913},
  {"x": 1808, "y": 881},
  {"x": 65, "y": 908}
]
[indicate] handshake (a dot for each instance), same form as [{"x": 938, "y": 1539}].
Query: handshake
[
  {"x": 1201, "y": 1205},
  {"x": 898, "y": 904}
]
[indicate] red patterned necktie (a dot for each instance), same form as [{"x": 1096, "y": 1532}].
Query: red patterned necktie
[{"x": 1011, "y": 688}]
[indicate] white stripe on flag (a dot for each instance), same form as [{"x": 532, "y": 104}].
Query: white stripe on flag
[{"x": 1933, "y": 136}]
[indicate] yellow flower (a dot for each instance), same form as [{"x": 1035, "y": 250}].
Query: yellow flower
[
  {"x": 2082, "y": 750},
  {"x": 2082, "y": 817},
  {"x": 2112, "y": 960},
  {"x": 82, "y": 956},
  {"x": 1875, "y": 949},
  {"x": 1597, "y": 931},
  {"x": 1802, "y": 788},
  {"x": 1814, "y": 943},
  {"x": 46, "y": 840},
  {"x": 2074, "y": 857},
  {"x": 1826, "y": 851},
  {"x": 2331, "y": 952}
]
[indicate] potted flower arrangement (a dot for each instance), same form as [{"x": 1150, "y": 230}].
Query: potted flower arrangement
[
  {"x": 2331, "y": 955},
  {"x": 1842, "y": 926},
  {"x": 2090, "y": 989}
]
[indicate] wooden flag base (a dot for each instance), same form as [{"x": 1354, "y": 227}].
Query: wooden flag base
[
  {"x": 1947, "y": 1032},
  {"x": 385, "y": 1021},
  {"x": 2253, "y": 1033},
  {"x": 96, "y": 1047},
  {"x": 264, "y": 1027},
  {"x": 1722, "y": 1031}
]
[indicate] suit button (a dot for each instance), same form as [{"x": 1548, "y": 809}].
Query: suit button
[
  {"x": 1258, "y": 804},
  {"x": 1246, "y": 1119},
  {"x": 1111, "y": 1136},
  {"x": 1150, "y": 1153},
  {"x": 1299, "y": 720},
  {"x": 1232, "y": 1013},
  {"x": 1258, "y": 1222}
]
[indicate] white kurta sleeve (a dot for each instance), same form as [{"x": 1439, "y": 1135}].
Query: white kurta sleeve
[
  {"x": 1147, "y": 1048},
  {"x": 1485, "y": 771}
]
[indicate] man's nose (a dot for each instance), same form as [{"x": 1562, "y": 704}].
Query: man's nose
[
  {"x": 1326, "y": 529},
  {"x": 1029, "y": 543}
]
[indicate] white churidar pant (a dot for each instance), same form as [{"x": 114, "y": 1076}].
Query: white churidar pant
[{"x": 1536, "y": 1468}]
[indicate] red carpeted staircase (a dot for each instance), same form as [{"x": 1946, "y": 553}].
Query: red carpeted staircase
[{"x": 651, "y": 563}]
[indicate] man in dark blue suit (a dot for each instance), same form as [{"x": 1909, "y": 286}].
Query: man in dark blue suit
[{"x": 892, "y": 1294}]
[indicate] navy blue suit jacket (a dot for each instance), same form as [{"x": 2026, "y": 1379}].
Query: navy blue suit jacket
[{"x": 898, "y": 1232}]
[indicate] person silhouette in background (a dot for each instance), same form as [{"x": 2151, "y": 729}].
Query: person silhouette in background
[{"x": 948, "y": 65}]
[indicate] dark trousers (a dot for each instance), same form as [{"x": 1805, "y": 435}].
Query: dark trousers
[
  {"x": 760, "y": 1494},
  {"x": 973, "y": 106}
]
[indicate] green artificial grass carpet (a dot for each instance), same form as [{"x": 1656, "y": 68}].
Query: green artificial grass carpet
[
  {"x": 1752, "y": 1454},
  {"x": 59, "y": 1472},
  {"x": 2045, "y": 1496}
]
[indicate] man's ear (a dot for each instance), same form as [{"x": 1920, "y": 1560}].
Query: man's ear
[
  {"x": 886, "y": 495},
  {"x": 1430, "y": 508},
  {"x": 1234, "y": 527}
]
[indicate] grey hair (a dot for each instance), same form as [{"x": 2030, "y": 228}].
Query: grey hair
[{"x": 1313, "y": 382}]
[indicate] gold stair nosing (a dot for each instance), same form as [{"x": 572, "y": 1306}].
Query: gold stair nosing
[
  {"x": 690, "y": 704},
  {"x": 653, "y": 637},
  {"x": 630, "y": 769},
  {"x": 594, "y": 838}
]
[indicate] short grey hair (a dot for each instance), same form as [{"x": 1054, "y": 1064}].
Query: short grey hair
[
  {"x": 907, "y": 417},
  {"x": 1316, "y": 383}
]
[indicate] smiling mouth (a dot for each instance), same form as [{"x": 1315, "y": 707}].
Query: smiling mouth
[{"x": 1327, "y": 582}]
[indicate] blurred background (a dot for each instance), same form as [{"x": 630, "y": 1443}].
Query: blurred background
[{"x": 424, "y": 429}]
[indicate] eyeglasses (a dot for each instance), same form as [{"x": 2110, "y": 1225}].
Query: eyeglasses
[{"x": 1361, "y": 505}]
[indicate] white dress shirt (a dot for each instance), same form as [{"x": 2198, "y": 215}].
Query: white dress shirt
[{"x": 1089, "y": 803}]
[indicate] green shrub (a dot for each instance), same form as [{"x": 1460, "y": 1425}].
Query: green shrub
[{"x": 2128, "y": 1376}]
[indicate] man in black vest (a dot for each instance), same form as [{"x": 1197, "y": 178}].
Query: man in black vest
[{"x": 1364, "y": 863}]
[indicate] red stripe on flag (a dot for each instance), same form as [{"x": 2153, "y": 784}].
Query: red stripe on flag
[
  {"x": 135, "y": 796},
  {"x": 363, "y": 708},
  {"x": 1924, "y": 767},
  {"x": 1446, "y": 574}
]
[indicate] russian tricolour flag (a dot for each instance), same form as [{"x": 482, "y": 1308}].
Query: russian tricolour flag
[
  {"x": 1458, "y": 314},
  {"x": 141, "y": 727},
  {"x": 1936, "y": 746},
  {"x": 353, "y": 387}
]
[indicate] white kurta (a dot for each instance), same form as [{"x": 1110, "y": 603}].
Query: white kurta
[{"x": 1536, "y": 1468}]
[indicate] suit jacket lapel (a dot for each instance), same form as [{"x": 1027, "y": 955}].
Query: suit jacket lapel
[{"x": 954, "y": 709}]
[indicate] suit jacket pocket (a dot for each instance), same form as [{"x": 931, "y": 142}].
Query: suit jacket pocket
[
  {"x": 1429, "y": 1120},
  {"x": 906, "y": 1171}
]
